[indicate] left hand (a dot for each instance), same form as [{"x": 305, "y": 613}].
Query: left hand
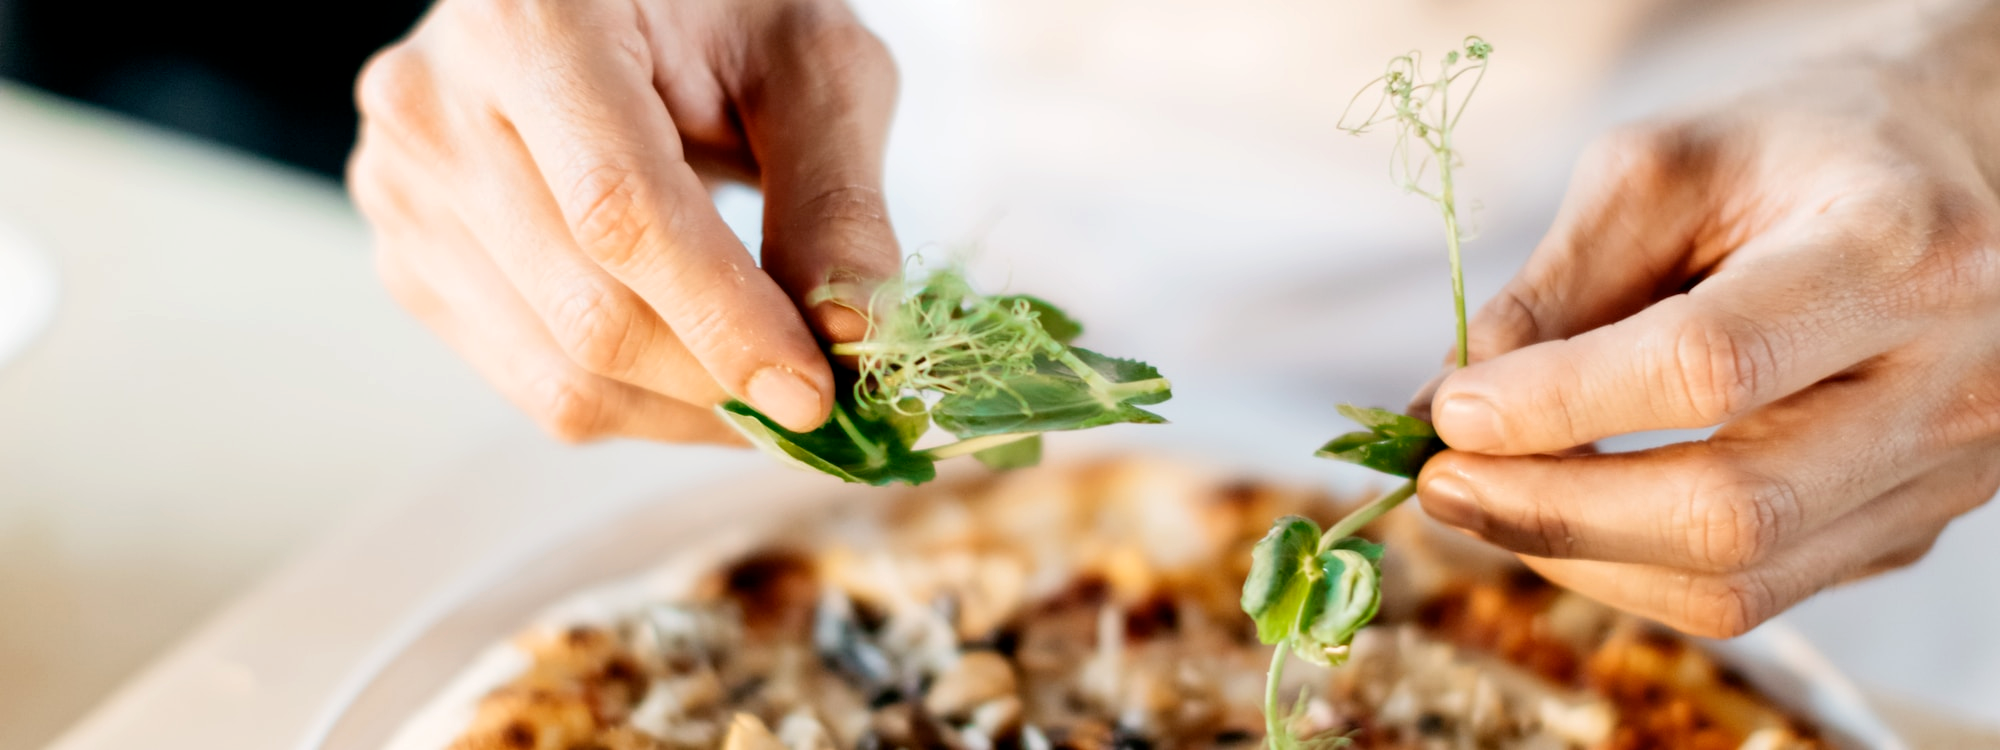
[{"x": 1817, "y": 270}]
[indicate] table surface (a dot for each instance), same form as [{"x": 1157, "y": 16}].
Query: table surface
[{"x": 225, "y": 388}]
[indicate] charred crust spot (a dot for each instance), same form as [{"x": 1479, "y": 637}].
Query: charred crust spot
[
  {"x": 776, "y": 589},
  {"x": 518, "y": 734},
  {"x": 1159, "y": 615},
  {"x": 1661, "y": 641},
  {"x": 1006, "y": 641},
  {"x": 1127, "y": 738},
  {"x": 580, "y": 636},
  {"x": 1234, "y": 736},
  {"x": 1434, "y": 613},
  {"x": 1732, "y": 678},
  {"x": 1433, "y": 724},
  {"x": 624, "y": 672},
  {"x": 1238, "y": 493},
  {"x": 742, "y": 692},
  {"x": 885, "y": 698},
  {"x": 1090, "y": 590},
  {"x": 870, "y": 615},
  {"x": 1523, "y": 581}
]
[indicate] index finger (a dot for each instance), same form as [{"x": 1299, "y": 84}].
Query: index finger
[
  {"x": 608, "y": 149},
  {"x": 1749, "y": 335}
]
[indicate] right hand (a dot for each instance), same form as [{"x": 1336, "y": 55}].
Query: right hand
[{"x": 537, "y": 172}]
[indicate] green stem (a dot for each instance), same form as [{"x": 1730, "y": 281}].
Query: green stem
[
  {"x": 1274, "y": 733},
  {"x": 863, "y": 348},
  {"x": 1119, "y": 392},
  {"x": 1110, "y": 393},
  {"x": 876, "y": 456},
  {"x": 970, "y": 446},
  {"x": 1365, "y": 514},
  {"x": 1451, "y": 238}
]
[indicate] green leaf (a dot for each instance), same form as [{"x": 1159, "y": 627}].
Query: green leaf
[
  {"x": 1367, "y": 549},
  {"x": 1276, "y": 589},
  {"x": 1387, "y": 423},
  {"x": 1019, "y": 454},
  {"x": 1054, "y": 398},
  {"x": 1126, "y": 371},
  {"x": 860, "y": 448},
  {"x": 1394, "y": 444},
  {"x": 1345, "y": 593},
  {"x": 1058, "y": 324},
  {"x": 909, "y": 418}
]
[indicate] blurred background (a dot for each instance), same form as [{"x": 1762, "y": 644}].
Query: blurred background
[
  {"x": 202, "y": 387},
  {"x": 272, "y": 80}
]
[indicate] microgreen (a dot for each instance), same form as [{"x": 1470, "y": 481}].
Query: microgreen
[
  {"x": 1309, "y": 591},
  {"x": 995, "y": 372}
]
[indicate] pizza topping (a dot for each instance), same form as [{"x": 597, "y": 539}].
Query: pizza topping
[{"x": 979, "y": 677}]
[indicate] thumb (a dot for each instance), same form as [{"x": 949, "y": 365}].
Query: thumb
[{"x": 816, "y": 111}]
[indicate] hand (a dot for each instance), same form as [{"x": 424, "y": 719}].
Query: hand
[
  {"x": 1815, "y": 269},
  {"x": 536, "y": 173}
]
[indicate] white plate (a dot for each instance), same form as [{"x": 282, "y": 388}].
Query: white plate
[
  {"x": 28, "y": 293},
  {"x": 1774, "y": 657}
]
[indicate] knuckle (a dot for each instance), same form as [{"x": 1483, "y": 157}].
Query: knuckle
[
  {"x": 1552, "y": 531},
  {"x": 1719, "y": 367},
  {"x": 703, "y": 328},
  {"x": 1650, "y": 157},
  {"x": 367, "y": 187},
  {"x": 393, "y": 85},
  {"x": 860, "y": 52},
  {"x": 488, "y": 16},
  {"x": 848, "y": 216},
  {"x": 1957, "y": 239},
  {"x": 597, "y": 332},
  {"x": 843, "y": 57},
  {"x": 1735, "y": 519},
  {"x": 571, "y": 408},
  {"x": 828, "y": 31},
  {"x": 1511, "y": 320},
  {"x": 1904, "y": 557},
  {"x": 1728, "y": 606},
  {"x": 606, "y": 217}
]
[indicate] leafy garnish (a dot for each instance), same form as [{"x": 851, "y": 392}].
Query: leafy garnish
[
  {"x": 1058, "y": 324},
  {"x": 1019, "y": 454},
  {"x": 861, "y": 448},
  {"x": 1308, "y": 593},
  {"x": 996, "y": 372},
  {"x": 1393, "y": 444},
  {"x": 1083, "y": 390},
  {"x": 1277, "y": 586},
  {"x": 1313, "y": 604}
]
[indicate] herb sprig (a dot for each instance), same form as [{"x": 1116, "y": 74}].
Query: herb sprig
[
  {"x": 995, "y": 372},
  {"x": 1310, "y": 591}
]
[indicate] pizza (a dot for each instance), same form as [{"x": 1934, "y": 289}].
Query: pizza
[{"x": 1090, "y": 606}]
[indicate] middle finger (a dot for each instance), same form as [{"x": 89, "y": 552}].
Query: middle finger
[{"x": 1720, "y": 504}]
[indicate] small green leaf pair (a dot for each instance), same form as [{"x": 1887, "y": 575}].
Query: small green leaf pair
[
  {"x": 996, "y": 372},
  {"x": 1393, "y": 444},
  {"x": 1309, "y": 595}
]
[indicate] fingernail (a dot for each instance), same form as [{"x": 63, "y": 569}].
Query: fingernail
[
  {"x": 785, "y": 397},
  {"x": 1469, "y": 423},
  {"x": 840, "y": 321},
  {"x": 1450, "y": 499}
]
